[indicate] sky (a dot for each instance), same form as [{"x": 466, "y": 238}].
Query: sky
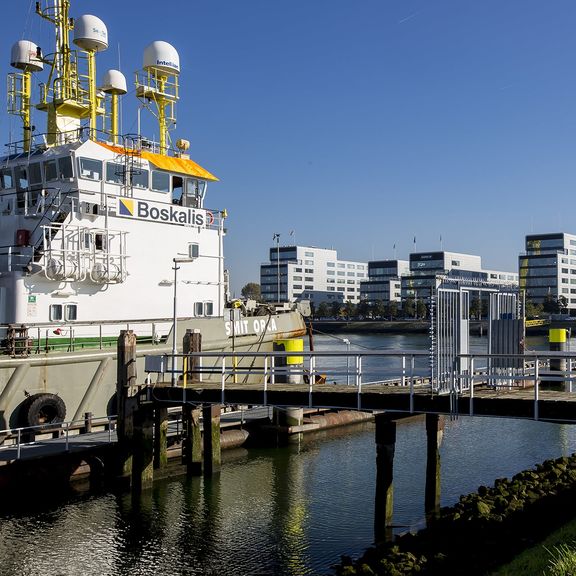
[{"x": 374, "y": 127}]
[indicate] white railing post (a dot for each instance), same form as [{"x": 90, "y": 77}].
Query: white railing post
[
  {"x": 223, "y": 375},
  {"x": 403, "y": 377},
  {"x": 536, "y": 378},
  {"x": 67, "y": 439},
  {"x": 411, "y": 385},
  {"x": 471, "y": 387}
]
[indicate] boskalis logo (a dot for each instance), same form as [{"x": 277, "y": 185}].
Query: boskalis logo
[{"x": 142, "y": 210}]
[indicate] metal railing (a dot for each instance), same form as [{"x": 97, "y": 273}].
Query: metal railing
[
  {"x": 540, "y": 371},
  {"x": 19, "y": 438}
]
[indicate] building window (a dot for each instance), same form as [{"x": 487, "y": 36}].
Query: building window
[
  {"x": 309, "y": 262},
  {"x": 296, "y": 278},
  {"x": 352, "y": 266},
  {"x": 455, "y": 262},
  {"x": 309, "y": 270},
  {"x": 309, "y": 254},
  {"x": 308, "y": 279},
  {"x": 340, "y": 265},
  {"x": 330, "y": 264}
]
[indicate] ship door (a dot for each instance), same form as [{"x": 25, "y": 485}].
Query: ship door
[{"x": 177, "y": 189}]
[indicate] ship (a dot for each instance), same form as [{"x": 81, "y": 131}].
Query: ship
[{"x": 103, "y": 231}]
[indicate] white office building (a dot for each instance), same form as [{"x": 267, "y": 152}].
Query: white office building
[
  {"x": 427, "y": 267},
  {"x": 308, "y": 273},
  {"x": 548, "y": 268}
]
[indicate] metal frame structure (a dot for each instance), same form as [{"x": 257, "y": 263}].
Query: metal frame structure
[{"x": 450, "y": 331}]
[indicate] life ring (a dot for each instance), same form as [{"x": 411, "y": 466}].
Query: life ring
[
  {"x": 209, "y": 218},
  {"x": 41, "y": 409}
]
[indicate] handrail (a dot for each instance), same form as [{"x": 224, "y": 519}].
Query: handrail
[{"x": 27, "y": 435}]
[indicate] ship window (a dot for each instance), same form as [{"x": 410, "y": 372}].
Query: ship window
[
  {"x": 35, "y": 173},
  {"x": 90, "y": 169},
  {"x": 194, "y": 193},
  {"x": 209, "y": 308},
  {"x": 55, "y": 312},
  {"x": 99, "y": 241},
  {"x": 160, "y": 181},
  {"x": 6, "y": 180},
  {"x": 21, "y": 177},
  {"x": 198, "y": 308},
  {"x": 139, "y": 178},
  {"x": 65, "y": 167},
  {"x": 114, "y": 173},
  {"x": 70, "y": 312},
  {"x": 50, "y": 171}
]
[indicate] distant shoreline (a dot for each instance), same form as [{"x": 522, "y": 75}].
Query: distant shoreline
[{"x": 405, "y": 327}]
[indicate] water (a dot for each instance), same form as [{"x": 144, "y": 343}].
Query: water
[{"x": 287, "y": 512}]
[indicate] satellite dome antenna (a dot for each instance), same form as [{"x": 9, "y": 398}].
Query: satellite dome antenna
[
  {"x": 27, "y": 58},
  {"x": 158, "y": 83},
  {"x": 114, "y": 83}
]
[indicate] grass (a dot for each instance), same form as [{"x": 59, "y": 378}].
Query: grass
[{"x": 555, "y": 556}]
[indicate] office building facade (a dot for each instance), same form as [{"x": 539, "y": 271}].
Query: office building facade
[
  {"x": 384, "y": 281},
  {"x": 427, "y": 267},
  {"x": 547, "y": 269},
  {"x": 309, "y": 273}
]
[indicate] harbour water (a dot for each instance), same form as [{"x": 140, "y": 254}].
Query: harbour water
[{"x": 285, "y": 512}]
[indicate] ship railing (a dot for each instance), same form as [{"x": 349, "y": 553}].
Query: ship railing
[
  {"x": 60, "y": 435},
  {"x": 365, "y": 370},
  {"x": 69, "y": 336}
]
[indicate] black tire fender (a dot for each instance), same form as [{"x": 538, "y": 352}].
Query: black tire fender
[{"x": 41, "y": 409}]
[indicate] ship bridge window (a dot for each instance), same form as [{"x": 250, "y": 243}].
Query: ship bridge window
[
  {"x": 6, "y": 179},
  {"x": 160, "y": 181},
  {"x": 90, "y": 169},
  {"x": 139, "y": 177},
  {"x": 198, "y": 308},
  {"x": 50, "y": 171},
  {"x": 21, "y": 177},
  {"x": 35, "y": 174},
  {"x": 115, "y": 173},
  {"x": 65, "y": 167},
  {"x": 194, "y": 193}
]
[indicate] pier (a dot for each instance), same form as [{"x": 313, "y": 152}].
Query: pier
[{"x": 134, "y": 449}]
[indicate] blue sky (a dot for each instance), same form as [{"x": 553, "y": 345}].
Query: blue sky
[{"x": 363, "y": 124}]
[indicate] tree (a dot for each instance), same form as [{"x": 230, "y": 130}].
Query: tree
[
  {"x": 533, "y": 310},
  {"x": 393, "y": 309},
  {"x": 349, "y": 309},
  {"x": 409, "y": 307},
  {"x": 335, "y": 309},
  {"x": 379, "y": 309},
  {"x": 252, "y": 291},
  {"x": 323, "y": 310},
  {"x": 421, "y": 309},
  {"x": 363, "y": 308},
  {"x": 551, "y": 305}
]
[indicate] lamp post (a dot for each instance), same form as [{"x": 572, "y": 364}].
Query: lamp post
[
  {"x": 277, "y": 238},
  {"x": 175, "y": 317}
]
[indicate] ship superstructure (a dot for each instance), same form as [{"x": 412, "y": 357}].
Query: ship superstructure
[{"x": 95, "y": 224}]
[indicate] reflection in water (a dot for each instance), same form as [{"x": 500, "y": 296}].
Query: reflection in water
[{"x": 285, "y": 512}]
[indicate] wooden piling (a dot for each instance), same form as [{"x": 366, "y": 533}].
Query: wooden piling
[
  {"x": 143, "y": 460},
  {"x": 160, "y": 437},
  {"x": 192, "y": 435},
  {"x": 384, "y": 501},
  {"x": 212, "y": 453},
  {"x": 434, "y": 433},
  {"x": 126, "y": 390}
]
